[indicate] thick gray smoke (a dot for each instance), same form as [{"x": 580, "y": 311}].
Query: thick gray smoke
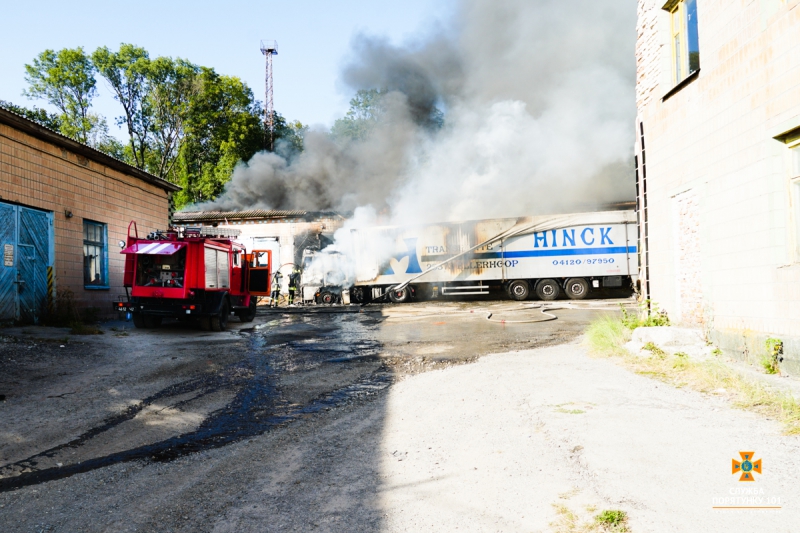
[{"x": 538, "y": 101}]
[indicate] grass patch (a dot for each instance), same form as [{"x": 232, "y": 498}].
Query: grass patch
[
  {"x": 607, "y": 335},
  {"x": 613, "y": 520},
  {"x": 570, "y": 411},
  {"x": 609, "y": 521}
]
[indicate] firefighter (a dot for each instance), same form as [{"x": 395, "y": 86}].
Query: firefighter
[
  {"x": 277, "y": 280},
  {"x": 294, "y": 279}
]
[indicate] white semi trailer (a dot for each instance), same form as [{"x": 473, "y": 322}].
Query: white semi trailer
[{"x": 526, "y": 256}]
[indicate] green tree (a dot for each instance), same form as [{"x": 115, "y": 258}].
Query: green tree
[
  {"x": 173, "y": 86},
  {"x": 66, "y": 80},
  {"x": 366, "y": 109},
  {"x": 128, "y": 73},
  {"x": 288, "y": 136},
  {"x": 222, "y": 127},
  {"x": 36, "y": 114}
]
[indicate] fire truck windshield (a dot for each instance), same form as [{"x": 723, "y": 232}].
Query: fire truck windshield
[{"x": 161, "y": 270}]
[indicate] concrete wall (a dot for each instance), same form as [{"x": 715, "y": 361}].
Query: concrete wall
[
  {"x": 40, "y": 174},
  {"x": 723, "y": 244}
]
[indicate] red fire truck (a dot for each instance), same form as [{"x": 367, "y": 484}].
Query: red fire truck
[{"x": 192, "y": 273}]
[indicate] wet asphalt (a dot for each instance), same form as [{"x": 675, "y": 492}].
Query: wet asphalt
[{"x": 288, "y": 365}]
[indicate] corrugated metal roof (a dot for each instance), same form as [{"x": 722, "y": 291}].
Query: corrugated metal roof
[
  {"x": 251, "y": 214},
  {"x": 46, "y": 134}
]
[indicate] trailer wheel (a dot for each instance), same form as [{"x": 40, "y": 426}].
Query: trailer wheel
[
  {"x": 219, "y": 322},
  {"x": 576, "y": 288},
  {"x": 548, "y": 289},
  {"x": 518, "y": 290},
  {"x": 327, "y": 298},
  {"x": 250, "y": 314},
  {"x": 398, "y": 297}
]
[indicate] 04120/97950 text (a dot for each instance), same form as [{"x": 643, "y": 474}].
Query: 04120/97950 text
[{"x": 573, "y": 262}]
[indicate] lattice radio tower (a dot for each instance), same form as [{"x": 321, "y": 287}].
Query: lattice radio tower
[{"x": 269, "y": 49}]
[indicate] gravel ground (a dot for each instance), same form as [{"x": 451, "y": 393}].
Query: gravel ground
[{"x": 400, "y": 437}]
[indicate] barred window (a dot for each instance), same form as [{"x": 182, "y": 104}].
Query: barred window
[{"x": 95, "y": 255}]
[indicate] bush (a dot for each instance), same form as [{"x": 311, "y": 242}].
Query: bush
[
  {"x": 648, "y": 316},
  {"x": 771, "y": 361}
]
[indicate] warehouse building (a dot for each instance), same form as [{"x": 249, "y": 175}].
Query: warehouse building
[
  {"x": 718, "y": 163},
  {"x": 64, "y": 209},
  {"x": 285, "y": 232}
]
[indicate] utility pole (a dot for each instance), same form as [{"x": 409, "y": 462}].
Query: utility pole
[{"x": 269, "y": 49}]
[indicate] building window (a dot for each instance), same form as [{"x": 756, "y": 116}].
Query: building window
[
  {"x": 95, "y": 255},
  {"x": 685, "y": 43}
]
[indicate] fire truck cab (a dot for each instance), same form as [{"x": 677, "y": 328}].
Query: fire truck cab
[{"x": 197, "y": 273}]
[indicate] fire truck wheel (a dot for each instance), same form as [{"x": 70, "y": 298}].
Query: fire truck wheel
[
  {"x": 519, "y": 290},
  {"x": 548, "y": 289},
  {"x": 219, "y": 322},
  {"x": 205, "y": 323},
  {"x": 138, "y": 320},
  {"x": 250, "y": 314},
  {"x": 398, "y": 297},
  {"x": 576, "y": 288}
]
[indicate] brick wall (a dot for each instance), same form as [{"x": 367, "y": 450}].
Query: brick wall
[
  {"x": 688, "y": 259},
  {"x": 715, "y": 137},
  {"x": 40, "y": 174}
]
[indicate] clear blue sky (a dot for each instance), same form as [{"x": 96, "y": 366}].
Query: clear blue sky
[{"x": 313, "y": 37}]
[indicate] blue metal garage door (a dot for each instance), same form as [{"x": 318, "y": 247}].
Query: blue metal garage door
[{"x": 26, "y": 237}]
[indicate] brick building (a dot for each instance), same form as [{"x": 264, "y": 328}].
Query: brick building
[
  {"x": 718, "y": 167},
  {"x": 64, "y": 207}
]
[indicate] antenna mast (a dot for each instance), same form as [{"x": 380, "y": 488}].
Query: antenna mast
[{"x": 269, "y": 49}]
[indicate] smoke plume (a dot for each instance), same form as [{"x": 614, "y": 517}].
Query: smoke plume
[{"x": 538, "y": 103}]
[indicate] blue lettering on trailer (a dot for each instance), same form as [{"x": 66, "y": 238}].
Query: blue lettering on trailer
[
  {"x": 568, "y": 238},
  {"x": 584, "y": 239},
  {"x": 551, "y": 253}
]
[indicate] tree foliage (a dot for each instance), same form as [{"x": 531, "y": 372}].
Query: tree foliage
[
  {"x": 366, "y": 109},
  {"x": 127, "y": 72},
  {"x": 184, "y": 122},
  {"x": 66, "y": 80},
  {"x": 222, "y": 127},
  {"x": 36, "y": 114}
]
